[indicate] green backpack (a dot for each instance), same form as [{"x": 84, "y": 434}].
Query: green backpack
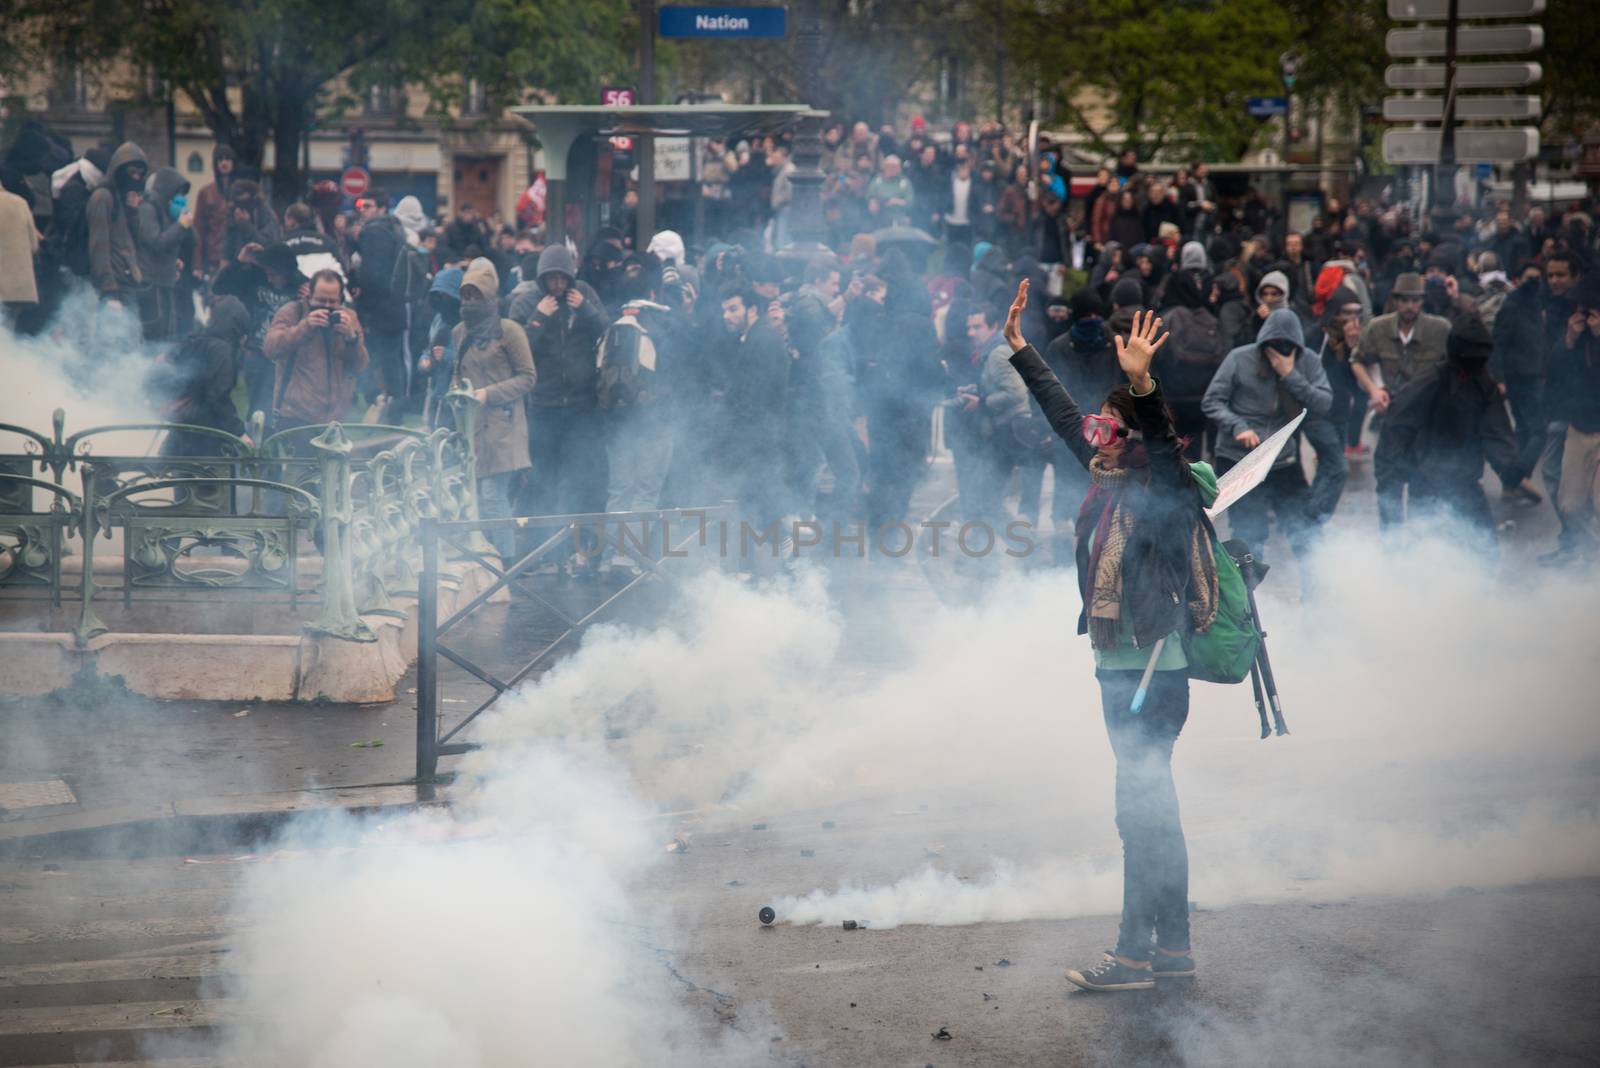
[{"x": 1225, "y": 652}]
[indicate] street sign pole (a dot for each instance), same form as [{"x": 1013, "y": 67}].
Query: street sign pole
[
  {"x": 645, "y": 146},
  {"x": 1444, "y": 180}
]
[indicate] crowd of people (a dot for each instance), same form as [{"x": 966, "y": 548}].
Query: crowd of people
[{"x": 630, "y": 378}]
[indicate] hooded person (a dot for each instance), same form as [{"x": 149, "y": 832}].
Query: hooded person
[
  {"x": 203, "y": 373},
  {"x": 163, "y": 236},
  {"x": 251, "y": 220},
  {"x": 211, "y": 211},
  {"x": 412, "y": 220},
  {"x": 111, "y": 221},
  {"x": 1440, "y": 429},
  {"x": 1258, "y": 389},
  {"x": 667, "y": 246},
  {"x": 493, "y": 360},
  {"x": 437, "y": 361},
  {"x": 1192, "y": 257},
  {"x": 564, "y": 319}
]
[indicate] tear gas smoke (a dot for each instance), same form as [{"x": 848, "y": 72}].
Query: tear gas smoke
[
  {"x": 92, "y": 363},
  {"x": 1441, "y": 736}
]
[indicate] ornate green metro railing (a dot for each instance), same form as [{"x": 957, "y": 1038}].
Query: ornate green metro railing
[{"x": 231, "y": 517}]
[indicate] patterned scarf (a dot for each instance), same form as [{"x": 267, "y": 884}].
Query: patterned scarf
[{"x": 1113, "y": 524}]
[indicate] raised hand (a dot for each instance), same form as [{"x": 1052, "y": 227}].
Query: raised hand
[
  {"x": 1136, "y": 353},
  {"x": 1013, "y": 327}
]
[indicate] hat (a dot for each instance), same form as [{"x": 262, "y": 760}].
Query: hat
[
  {"x": 1086, "y": 304},
  {"x": 1127, "y": 293},
  {"x": 918, "y": 123},
  {"x": 1408, "y": 284},
  {"x": 1469, "y": 339}
]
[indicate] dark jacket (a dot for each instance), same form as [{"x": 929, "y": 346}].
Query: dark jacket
[
  {"x": 1529, "y": 327},
  {"x": 1574, "y": 387},
  {"x": 205, "y": 369},
  {"x": 566, "y": 343},
  {"x": 1155, "y": 568},
  {"x": 381, "y": 240},
  {"x": 113, "y": 255},
  {"x": 161, "y": 240},
  {"x": 1085, "y": 360},
  {"x": 1439, "y": 430},
  {"x": 211, "y": 212}
]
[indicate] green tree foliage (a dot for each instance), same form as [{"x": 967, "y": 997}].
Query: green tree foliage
[
  {"x": 1165, "y": 70},
  {"x": 257, "y": 70},
  {"x": 1571, "y": 88}
]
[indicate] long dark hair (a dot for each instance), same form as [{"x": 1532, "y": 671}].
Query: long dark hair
[{"x": 1120, "y": 401}]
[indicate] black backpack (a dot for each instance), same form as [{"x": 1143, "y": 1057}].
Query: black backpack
[
  {"x": 69, "y": 226},
  {"x": 408, "y": 276},
  {"x": 1196, "y": 337},
  {"x": 627, "y": 362}
]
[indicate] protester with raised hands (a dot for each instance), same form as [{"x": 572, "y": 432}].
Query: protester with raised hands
[{"x": 1147, "y": 576}]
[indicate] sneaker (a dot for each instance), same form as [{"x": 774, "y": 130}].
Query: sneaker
[
  {"x": 1112, "y": 974},
  {"x": 1166, "y": 966}
]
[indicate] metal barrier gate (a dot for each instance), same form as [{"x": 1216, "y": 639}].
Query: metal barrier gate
[{"x": 465, "y": 537}]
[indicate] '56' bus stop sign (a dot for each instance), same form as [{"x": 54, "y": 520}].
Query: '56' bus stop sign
[{"x": 722, "y": 21}]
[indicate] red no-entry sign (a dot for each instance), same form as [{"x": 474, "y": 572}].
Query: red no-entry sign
[{"x": 355, "y": 181}]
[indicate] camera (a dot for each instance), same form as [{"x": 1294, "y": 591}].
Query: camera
[{"x": 334, "y": 317}]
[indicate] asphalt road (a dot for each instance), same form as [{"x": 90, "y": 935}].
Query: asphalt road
[{"x": 115, "y": 961}]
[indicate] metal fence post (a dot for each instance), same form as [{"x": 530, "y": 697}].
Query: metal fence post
[
  {"x": 89, "y": 624},
  {"x": 338, "y": 617},
  {"x": 427, "y": 654}
]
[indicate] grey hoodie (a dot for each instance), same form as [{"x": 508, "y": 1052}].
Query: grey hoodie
[
  {"x": 161, "y": 240},
  {"x": 1273, "y": 278},
  {"x": 113, "y": 256},
  {"x": 564, "y": 343},
  {"x": 1245, "y": 393},
  {"x": 1193, "y": 257}
]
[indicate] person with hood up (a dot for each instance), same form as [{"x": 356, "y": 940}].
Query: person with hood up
[
  {"x": 412, "y": 221},
  {"x": 1147, "y": 574},
  {"x": 162, "y": 233},
  {"x": 667, "y": 247},
  {"x": 1256, "y": 391},
  {"x": 66, "y": 242},
  {"x": 437, "y": 362},
  {"x": 110, "y": 215},
  {"x": 1441, "y": 427},
  {"x": 211, "y": 212},
  {"x": 1192, "y": 355},
  {"x": 494, "y": 360},
  {"x": 203, "y": 372},
  {"x": 251, "y": 221},
  {"x": 564, "y": 320},
  {"x": 1272, "y": 293}
]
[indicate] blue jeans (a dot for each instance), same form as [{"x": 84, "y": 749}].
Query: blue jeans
[
  {"x": 1155, "y": 857},
  {"x": 494, "y": 502}
]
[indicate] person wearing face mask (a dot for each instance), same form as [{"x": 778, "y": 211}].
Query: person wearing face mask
[
  {"x": 494, "y": 359},
  {"x": 110, "y": 215},
  {"x": 1147, "y": 574},
  {"x": 1441, "y": 428},
  {"x": 1258, "y": 389},
  {"x": 203, "y": 371},
  {"x": 163, "y": 234}
]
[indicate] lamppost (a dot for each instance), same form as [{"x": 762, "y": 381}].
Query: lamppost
[
  {"x": 1288, "y": 68},
  {"x": 805, "y": 210}
]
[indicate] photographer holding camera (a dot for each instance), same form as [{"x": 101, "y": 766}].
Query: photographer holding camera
[{"x": 318, "y": 348}]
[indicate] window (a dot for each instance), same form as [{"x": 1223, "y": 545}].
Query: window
[
  {"x": 476, "y": 101},
  {"x": 382, "y": 100},
  {"x": 69, "y": 88}
]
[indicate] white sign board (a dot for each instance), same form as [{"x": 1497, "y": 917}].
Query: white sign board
[
  {"x": 672, "y": 159},
  {"x": 1510, "y": 144},
  {"x": 1250, "y": 472}
]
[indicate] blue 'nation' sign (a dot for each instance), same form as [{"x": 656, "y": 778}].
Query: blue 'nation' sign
[{"x": 723, "y": 21}]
